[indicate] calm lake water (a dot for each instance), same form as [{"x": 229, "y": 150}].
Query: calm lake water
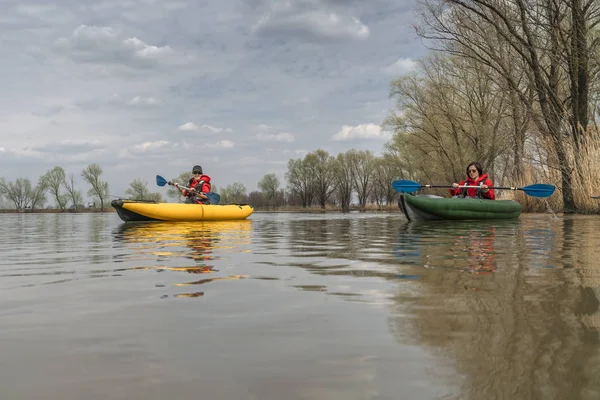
[{"x": 299, "y": 306}]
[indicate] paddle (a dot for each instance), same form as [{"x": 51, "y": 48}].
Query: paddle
[
  {"x": 213, "y": 198},
  {"x": 535, "y": 190}
]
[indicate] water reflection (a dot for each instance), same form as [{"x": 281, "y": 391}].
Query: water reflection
[
  {"x": 525, "y": 331},
  {"x": 510, "y": 305},
  {"x": 192, "y": 247},
  {"x": 386, "y": 308},
  {"x": 467, "y": 246}
]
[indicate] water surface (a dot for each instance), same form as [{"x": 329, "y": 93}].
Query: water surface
[{"x": 299, "y": 306}]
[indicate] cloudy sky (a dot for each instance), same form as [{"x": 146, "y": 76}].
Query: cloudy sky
[{"x": 147, "y": 87}]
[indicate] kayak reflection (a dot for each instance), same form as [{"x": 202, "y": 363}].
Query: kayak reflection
[
  {"x": 463, "y": 245},
  {"x": 171, "y": 246}
]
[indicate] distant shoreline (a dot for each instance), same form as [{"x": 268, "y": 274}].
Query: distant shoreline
[
  {"x": 308, "y": 210},
  {"x": 56, "y": 211}
]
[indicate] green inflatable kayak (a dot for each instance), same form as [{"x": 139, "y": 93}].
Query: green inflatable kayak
[{"x": 428, "y": 207}]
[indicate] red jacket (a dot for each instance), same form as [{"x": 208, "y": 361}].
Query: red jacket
[
  {"x": 472, "y": 192},
  {"x": 204, "y": 182}
]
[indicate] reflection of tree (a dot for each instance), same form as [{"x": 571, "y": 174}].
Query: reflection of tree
[
  {"x": 97, "y": 236},
  {"x": 344, "y": 238},
  {"x": 525, "y": 332}
]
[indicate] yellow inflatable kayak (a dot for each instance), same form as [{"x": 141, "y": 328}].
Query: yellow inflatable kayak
[{"x": 139, "y": 210}]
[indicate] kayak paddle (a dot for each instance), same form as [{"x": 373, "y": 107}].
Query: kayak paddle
[
  {"x": 160, "y": 181},
  {"x": 213, "y": 198},
  {"x": 535, "y": 190}
]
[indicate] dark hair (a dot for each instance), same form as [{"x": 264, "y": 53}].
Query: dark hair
[
  {"x": 476, "y": 165},
  {"x": 197, "y": 168}
]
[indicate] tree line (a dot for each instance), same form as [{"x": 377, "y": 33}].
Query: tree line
[
  {"x": 56, "y": 185},
  {"x": 510, "y": 83},
  {"x": 319, "y": 179}
]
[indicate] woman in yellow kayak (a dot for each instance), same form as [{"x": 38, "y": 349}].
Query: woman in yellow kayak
[{"x": 475, "y": 177}]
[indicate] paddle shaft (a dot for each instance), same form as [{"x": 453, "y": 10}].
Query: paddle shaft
[
  {"x": 188, "y": 189},
  {"x": 471, "y": 186},
  {"x": 536, "y": 190}
]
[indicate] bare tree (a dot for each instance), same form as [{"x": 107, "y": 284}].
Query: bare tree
[
  {"x": 38, "y": 194},
  {"x": 233, "y": 194},
  {"x": 300, "y": 181},
  {"x": 269, "y": 184},
  {"x": 21, "y": 193},
  {"x": 551, "y": 39},
  {"x": 363, "y": 166},
  {"x": 91, "y": 174},
  {"x": 138, "y": 190},
  {"x": 344, "y": 183},
  {"x": 55, "y": 179},
  {"x": 448, "y": 116},
  {"x": 386, "y": 170},
  {"x": 74, "y": 195},
  {"x": 319, "y": 166}
]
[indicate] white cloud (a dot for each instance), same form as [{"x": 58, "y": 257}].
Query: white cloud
[
  {"x": 362, "y": 131},
  {"x": 149, "y": 146},
  {"x": 138, "y": 100},
  {"x": 93, "y": 44},
  {"x": 275, "y": 137},
  {"x": 222, "y": 144},
  {"x": 217, "y": 130},
  {"x": 192, "y": 127},
  {"x": 267, "y": 133},
  {"x": 188, "y": 127},
  {"x": 67, "y": 147},
  {"x": 295, "y": 18},
  {"x": 401, "y": 66}
]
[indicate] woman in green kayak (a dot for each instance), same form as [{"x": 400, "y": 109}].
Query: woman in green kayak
[{"x": 475, "y": 177}]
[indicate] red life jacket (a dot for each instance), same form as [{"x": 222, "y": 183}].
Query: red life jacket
[{"x": 474, "y": 192}]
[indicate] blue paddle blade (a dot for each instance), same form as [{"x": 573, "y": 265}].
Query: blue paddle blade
[
  {"x": 539, "y": 190},
  {"x": 405, "y": 186},
  {"x": 160, "y": 181},
  {"x": 213, "y": 198}
]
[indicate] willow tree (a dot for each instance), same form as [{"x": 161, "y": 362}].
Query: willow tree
[
  {"x": 269, "y": 184},
  {"x": 74, "y": 194},
  {"x": 38, "y": 194},
  {"x": 447, "y": 116},
  {"x": 300, "y": 181},
  {"x": 320, "y": 167},
  {"x": 551, "y": 39},
  {"x": 56, "y": 180},
  {"x": 99, "y": 190},
  {"x": 138, "y": 190},
  {"x": 386, "y": 170},
  {"x": 344, "y": 184},
  {"x": 22, "y": 194},
  {"x": 363, "y": 166},
  {"x": 234, "y": 193}
]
